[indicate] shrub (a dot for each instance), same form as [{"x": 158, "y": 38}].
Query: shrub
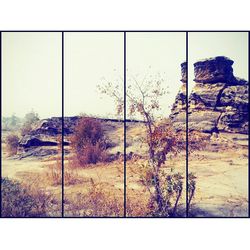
[
  {"x": 17, "y": 201},
  {"x": 31, "y": 118},
  {"x": 88, "y": 141},
  {"x": 26, "y": 128},
  {"x": 12, "y": 144},
  {"x": 191, "y": 189},
  {"x": 164, "y": 201}
]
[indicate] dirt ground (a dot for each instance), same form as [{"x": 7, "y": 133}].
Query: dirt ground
[{"x": 222, "y": 183}]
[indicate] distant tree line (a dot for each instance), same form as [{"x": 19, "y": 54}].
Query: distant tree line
[{"x": 14, "y": 122}]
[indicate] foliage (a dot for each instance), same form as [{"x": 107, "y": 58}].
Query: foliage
[
  {"x": 31, "y": 117},
  {"x": 29, "y": 120},
  {"x": 12, "y": 142},
  {"x": 88, "y": 141},
  {"x": 18, "y": 201},
  {"x": 191, "y": 189},
  {"x": 11, "y": 123}
]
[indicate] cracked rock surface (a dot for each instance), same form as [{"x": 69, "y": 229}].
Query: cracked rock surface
[{"x": 218, "y": 101}]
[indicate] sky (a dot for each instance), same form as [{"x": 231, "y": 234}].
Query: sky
[
  {"x": 32, "y": 73},
  {"x": 158, "y": 52},
  {"x": 90, "y": 57}
]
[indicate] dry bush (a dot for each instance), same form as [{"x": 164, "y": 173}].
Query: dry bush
[
  {"x": 137, "y": 204},
  {"x": 96, "y": 202},
  {"x": 26, "y": 129},
  {"x": 88, "y": 142},
  {"x": 20, "y": 200},
  {"x": 12, "y": 142}
]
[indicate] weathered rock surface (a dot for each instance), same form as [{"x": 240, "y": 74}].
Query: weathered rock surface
[
  {"x": 214, "y": 70},
  {"x": 218, "y": 101},
  {"x": 35, "y": 141},
  {"x": 178, "y": 111}
]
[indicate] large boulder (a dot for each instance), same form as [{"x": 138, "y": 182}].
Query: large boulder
[{"x": 214, "y": 70}]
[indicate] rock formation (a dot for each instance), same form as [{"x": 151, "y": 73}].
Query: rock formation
[
  {"x": 218, "y": 101},
  {"x": 178, "y": 111}
]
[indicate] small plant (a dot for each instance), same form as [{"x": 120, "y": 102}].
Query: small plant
[
  {"x": 12, "y": 143},
  {"x": 191, "y": 189}
]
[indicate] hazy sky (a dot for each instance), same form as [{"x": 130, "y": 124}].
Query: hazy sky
[
  {"x": 210, "y": 44},
  {"x": 163, "y": 53},
  {"x": 32, "y": 66},
  {"x": 31, "y": 73},
  {"x": 88, "y": 58}
]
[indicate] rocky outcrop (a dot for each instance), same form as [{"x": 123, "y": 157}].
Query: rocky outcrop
[
  {"x": 214, "y": 70},
  {"x": 35, "y": 141},
  {"x": 178, "y": 111},
  {"x": 218, "y": 101},
  {"x": 53, "y": 126}
]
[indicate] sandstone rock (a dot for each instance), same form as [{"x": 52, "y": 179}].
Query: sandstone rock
[
  {"x": 235, "y": 96},
  {"x": 179, "y": 121},
  {"x": 179, "y": 105},
  {"x": 203, "y": 120},
  {"x": 37, "y": 152},
  {"x": 31, "y": 141},
  {"x": 207, "y": 93},
  {"x": 235, "y": 122},
  {"x": 218, "y": 101},
  {"x": 184, "y": 72},
  {"x": 214, "y": 70}
]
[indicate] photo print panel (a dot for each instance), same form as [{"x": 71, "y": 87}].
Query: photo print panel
[
  {"x": 156, "y": 124},
  {"x": 93, "y": 124},
  {"x": 218, "y": 123},
  {"x": 31, "y": 124}
]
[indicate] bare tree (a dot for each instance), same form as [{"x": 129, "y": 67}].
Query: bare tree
[{"x": 143, "y": 102}]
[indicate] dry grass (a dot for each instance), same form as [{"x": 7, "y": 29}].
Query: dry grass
[
  {"x": 95, "y": 202},
  {"x": 28, "y": 200}
]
